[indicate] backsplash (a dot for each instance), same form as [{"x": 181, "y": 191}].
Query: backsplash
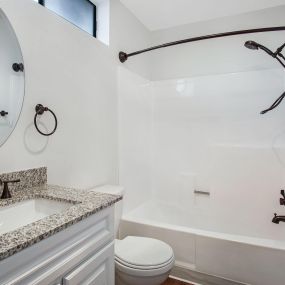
[{"x": 28, "y": 178}]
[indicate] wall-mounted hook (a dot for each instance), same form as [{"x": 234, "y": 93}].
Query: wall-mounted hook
[
  {"x": 18, "y": 67},
  {"x": 3, "y": 113},
  {"x": 282, "y": 200}
]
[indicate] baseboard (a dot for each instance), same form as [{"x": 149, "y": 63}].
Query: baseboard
[
  {"x": 183, "y": 280},
  {"x": 196, "y": 277}
]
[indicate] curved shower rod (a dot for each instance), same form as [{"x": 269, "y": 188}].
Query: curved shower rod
[{"x": 124, "y": 56}]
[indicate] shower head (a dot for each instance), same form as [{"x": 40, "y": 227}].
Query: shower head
[
  {"x": 278, "y": 56},
  {"x": 251, "y": 45},
  {"x": 255, "y": 46}
]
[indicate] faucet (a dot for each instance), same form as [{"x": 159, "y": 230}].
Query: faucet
[
  {"x": 278, "y": 219},
  {"x": 6, "y": 193}
]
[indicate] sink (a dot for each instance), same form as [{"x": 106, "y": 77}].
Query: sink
[{"x": 23, "y": 213}]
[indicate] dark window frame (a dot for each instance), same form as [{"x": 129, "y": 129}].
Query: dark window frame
[{"x": 42, "y": 2}]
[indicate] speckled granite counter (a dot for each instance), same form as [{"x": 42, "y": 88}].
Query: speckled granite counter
[{"x": 83, "y": 204}]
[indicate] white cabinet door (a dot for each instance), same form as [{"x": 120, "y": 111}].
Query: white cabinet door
[
  {"x": 47, "y": 262},
  {"x": 97, "y": 270}
]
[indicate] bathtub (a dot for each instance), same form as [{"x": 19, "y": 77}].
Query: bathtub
[{"x": 213, "y": 248}]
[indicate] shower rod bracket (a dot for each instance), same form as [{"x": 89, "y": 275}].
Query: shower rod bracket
[{"x": 123, "y": 56}]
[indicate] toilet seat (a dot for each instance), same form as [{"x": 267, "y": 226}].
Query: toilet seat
[
  {"x": 141, "y": 256},
  {"x": 144, "y": 272}
]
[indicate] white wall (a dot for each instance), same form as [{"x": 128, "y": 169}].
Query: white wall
[
  {"x": 75, "y": 75},
  {"x": 128, "y": 34},
  {"x": 163, "y": 14},
  {"x": 216, "y": 56}
]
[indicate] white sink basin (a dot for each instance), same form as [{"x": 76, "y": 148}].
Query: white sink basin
[{"x": 23, "y": 213}]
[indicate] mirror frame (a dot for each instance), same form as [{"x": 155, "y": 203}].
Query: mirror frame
[{"x": 10, "y": 28}]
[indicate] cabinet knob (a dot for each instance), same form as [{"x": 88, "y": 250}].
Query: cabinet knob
[{"x": 3, "y": 113}]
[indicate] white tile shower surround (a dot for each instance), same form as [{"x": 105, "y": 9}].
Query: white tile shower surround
[
  {"x": 206, "y": 133},
  {"x": 135, "y": 131}
]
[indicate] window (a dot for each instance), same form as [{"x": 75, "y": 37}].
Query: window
[{"x": 81, "y": 13}]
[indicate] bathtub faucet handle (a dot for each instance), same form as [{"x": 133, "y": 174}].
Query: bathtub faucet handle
[{"x": 282, "y": 200}]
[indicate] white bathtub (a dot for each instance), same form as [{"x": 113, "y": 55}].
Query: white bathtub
[{"x": 248, "y": 250}]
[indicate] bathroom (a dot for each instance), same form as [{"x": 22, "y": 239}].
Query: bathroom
[{"x": 131, "y": 167}]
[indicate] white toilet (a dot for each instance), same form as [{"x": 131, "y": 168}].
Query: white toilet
[{"x": 138, "y": 260}]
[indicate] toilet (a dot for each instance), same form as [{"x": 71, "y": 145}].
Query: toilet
[{"x": 138, "y": 260}]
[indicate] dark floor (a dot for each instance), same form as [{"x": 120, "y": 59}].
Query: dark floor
[{"x": 174, "y": 282}]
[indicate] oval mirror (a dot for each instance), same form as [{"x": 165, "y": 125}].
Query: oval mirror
[{"x": 12, "y": 79}]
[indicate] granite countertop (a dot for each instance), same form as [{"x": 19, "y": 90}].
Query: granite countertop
[{"x": 83, "y": 204}]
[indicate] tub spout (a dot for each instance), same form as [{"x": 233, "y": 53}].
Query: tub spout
[{"x": 278, "y": 219}]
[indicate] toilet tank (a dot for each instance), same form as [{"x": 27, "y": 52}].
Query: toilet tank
[{"x": 114, "y": 190}]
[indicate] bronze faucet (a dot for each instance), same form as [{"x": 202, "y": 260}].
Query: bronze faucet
[
  {"x": 6, "y": 193},
  {"x": 278, "y": 219}
]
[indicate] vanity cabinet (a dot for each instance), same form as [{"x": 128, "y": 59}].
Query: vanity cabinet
[
  {"x": 81, "y": 254},
  {"x": 97, "y": 270}
]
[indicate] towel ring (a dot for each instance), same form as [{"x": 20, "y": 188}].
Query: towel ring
[{"x": 40, "y": 109}]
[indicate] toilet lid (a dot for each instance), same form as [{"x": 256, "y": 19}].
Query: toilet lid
[{"x": 143, "y": 252}]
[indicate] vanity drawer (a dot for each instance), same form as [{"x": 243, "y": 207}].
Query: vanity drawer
[{"x": 97, "y": 270}]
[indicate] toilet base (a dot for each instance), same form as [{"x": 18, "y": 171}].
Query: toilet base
[{"x": 126, "y": 279}]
